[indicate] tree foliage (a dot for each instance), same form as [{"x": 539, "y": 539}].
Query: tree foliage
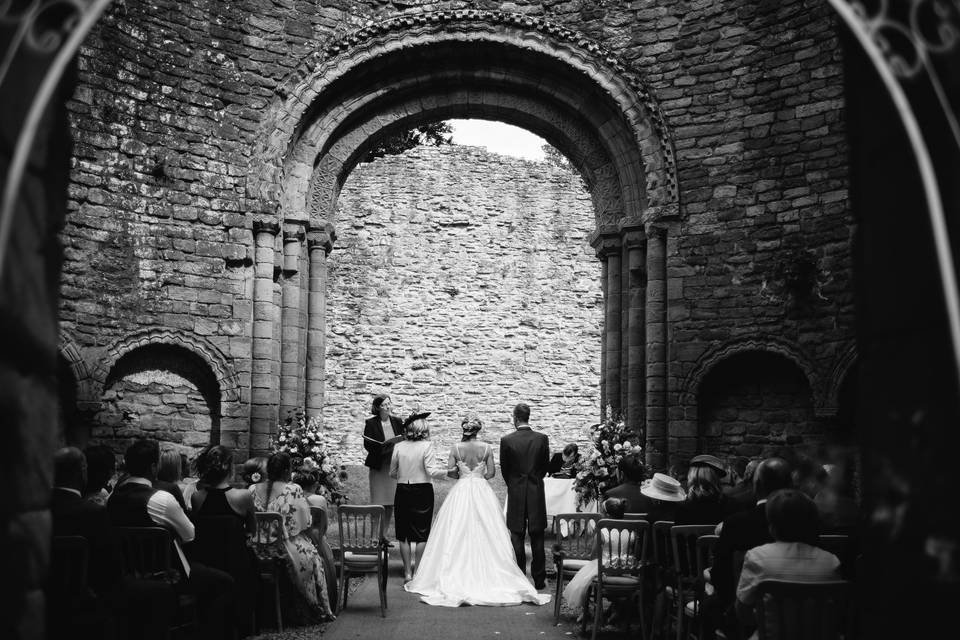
[{"x": 433, "y": 134}]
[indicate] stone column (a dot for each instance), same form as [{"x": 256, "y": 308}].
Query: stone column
[
  {"x": 656, "y": 340},
  {"x": 320, "y": 242},
  {"x": 634, "y": 248},
  {"x": 603, "y": 343},
  {"x": 608, "y": 248},
  {"x": 264, "y": 380},
  {"x": 290, "y": 332}
]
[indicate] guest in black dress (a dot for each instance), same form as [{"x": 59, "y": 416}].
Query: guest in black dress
[{"x": 215, "y": 496}]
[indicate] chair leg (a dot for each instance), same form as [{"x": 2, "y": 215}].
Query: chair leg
[
  {"x": 556, "y": 598},
  {"x": 276, "y": 602},
  {"x": 342, "y": 589},
  {"x": 586, "y": 610},
  {"x": 597, "y": 613}
]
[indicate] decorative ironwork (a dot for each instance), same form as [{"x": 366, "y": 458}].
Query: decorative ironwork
[
  {"x": 907, "y": 43},
  {"x": 49, "y": 30}
]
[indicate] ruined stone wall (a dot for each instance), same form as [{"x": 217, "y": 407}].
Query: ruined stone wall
[
  {"x": 171, "y": 96},
  {"x": 463, "y": 281}
]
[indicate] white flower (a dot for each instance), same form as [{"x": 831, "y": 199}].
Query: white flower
[
  {"x": 617, "y": 447},
  {"x": 628, "y": 445}
]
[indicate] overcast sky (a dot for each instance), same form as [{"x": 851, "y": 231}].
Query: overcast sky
[{"x": 498, "y": 137}]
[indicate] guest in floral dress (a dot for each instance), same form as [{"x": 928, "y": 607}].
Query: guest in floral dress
[{"x": 286, "y": 498}]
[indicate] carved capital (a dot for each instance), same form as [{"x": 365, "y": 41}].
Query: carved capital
[
  {"x": 294, "y": 232},
  {"x": 632, "y": 233},
  {"x": 322, "y": 237},
  {"x": 606, "y": 241},
  {"x": 261, "y": 225}
]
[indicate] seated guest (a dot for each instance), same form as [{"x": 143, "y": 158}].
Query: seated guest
[
  {"x": 141, "y": 608},
  {"x": 169, "y": 474},
  {"x": 101, "y": 466},
  {"x": 836, "y": 502},
  {"x": 793, "y": 555},
  {"x": 188, "y": 483},
  {"x": 631, "y": 471},
  {"x": 809, "y": 476},
  {"x": 665, "y": 494},
  {"x": 136, "y": 503},
  {"x": 254, "y": 471},
  {"x": 278, "y": 494},
  {"x": 74, "y": 516},
  {"x": 308, "y": 480},
  {"x": 740, "y": 497},
  {"x": 215, "y": 496},
  {"x": 562, "y": 464},
  {"x": 704, "y": 503},
  {"x": 740, "y": 532},
  {"x": 576, "y": 591}
]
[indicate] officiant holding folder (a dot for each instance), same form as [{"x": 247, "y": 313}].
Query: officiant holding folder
[{"x": 380, "y": 433}]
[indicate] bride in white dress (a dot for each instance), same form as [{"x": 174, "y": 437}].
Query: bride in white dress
[{"x": 469, "y": 558}]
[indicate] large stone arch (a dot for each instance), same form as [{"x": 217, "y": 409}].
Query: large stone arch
[
  {"x": 520, "y": 55},
  {"x": 425, "y": 67}
]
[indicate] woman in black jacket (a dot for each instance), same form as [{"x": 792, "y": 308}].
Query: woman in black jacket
[{"x": 380, "y": 433}]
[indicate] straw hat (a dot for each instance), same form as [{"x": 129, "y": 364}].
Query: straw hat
[{"x": 663, "y": 487}]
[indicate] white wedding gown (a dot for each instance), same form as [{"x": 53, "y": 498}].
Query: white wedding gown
[{"x": 469, "y": 557}]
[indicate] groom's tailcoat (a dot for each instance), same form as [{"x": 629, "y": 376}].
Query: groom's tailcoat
[{"x": 524, "y": 460}]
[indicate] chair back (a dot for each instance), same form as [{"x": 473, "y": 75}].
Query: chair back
[
  {"x": 621, "y": 546},
  {"x": 269, "y": 528},
  {"x": 69, "y": 562},
  {"x": 842, "y": 546},
  {"x": 145, "y": 551},
  {"x": 662, "y": 550},
  {"x": 216, "y": 541},
  {"x": 634, "y": 516},
  {"x": 788, "y": 610},
  {"x": 319, "y": 518},
  {"x": 706, "y": 552},
  {"x": 576, "y": 534},
  {"x": 361, "y": 528},
  {"x": 683, "y": 540}
]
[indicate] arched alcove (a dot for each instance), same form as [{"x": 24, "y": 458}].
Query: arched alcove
[
  {"x": 159, "y": 391},
  {"x": 754, "y": 403}
]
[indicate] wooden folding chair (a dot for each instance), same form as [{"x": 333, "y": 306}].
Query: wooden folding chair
[
  {"x": 146, "y": 554},
  {"x": 684, "y": 544},
  {"x": 621, "y": 546},
  {"x": 789, "y": 610},
  {"x": 271, "y": 563},
  {"x": 634, "y": 516},
  {"x": 363, "y": 548},
  {"x": 575, "y": 545},
  {"x": 319, "y": 528}
]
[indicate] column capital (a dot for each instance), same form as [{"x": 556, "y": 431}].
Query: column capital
[
  {"x": 261, "y": 225},
  {"x": 322, "y": 237},
  {"x": 606, "y": 241},
  {"x": 632, "y": 232},
  {"x": 294, "y": 231}
]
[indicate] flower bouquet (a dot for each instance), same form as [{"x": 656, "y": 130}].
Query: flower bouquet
[
  {"x": 310, "y": 445},
  {"x": 597, "y": 470}
]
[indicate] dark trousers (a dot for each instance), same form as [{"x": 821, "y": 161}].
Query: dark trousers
[{"x": 538, "y": 564}]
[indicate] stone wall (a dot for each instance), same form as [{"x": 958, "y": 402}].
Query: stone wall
[
  {"x": 173, "y": 96},
  {"x": 754, "y": 404},
  {"x": 463, "y": 281}
]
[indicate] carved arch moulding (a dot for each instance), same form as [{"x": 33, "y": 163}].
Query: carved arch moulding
[
  {"x": 588, "y": 62},
  {"x": 220, "y": 367},
  {"x": 73, "y": 356},
  {"x": 690, "y": 390}
]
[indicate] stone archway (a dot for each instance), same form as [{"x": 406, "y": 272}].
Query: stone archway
[{"x": 492, "y": 65}]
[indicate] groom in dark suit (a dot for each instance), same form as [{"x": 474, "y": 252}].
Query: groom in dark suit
[{"x": 524, "y": 460}]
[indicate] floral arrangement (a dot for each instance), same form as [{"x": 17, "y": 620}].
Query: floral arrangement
[
  {"x": 311, "y": 446},
  {"x": 597, "y": 470}
]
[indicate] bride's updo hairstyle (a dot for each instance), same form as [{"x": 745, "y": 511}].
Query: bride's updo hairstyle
[{"x": 471, "y": 426}]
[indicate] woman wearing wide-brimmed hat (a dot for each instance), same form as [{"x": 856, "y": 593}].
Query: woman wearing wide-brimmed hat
[{"x": 666, "y": 493}]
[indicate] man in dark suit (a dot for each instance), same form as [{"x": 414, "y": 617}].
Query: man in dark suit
[
  {"x": 739, "y": 533},
  {"x": 632, "y": 473},
  {"x": 524, "y": 459},
  {"x": 562, "y": 464}
]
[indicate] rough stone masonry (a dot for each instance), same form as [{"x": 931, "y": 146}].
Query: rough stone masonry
[{"x": 212, "y": 141}]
